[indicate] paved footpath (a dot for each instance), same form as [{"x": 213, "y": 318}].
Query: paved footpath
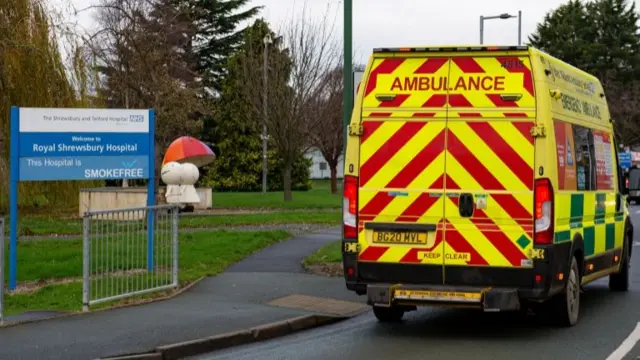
[{"x": 234, "y": 300}]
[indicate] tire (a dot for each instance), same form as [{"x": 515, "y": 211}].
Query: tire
[
  {"x": 620, "y": 281},
  {"x": 566, "y": 306},
  {"x": 388, "y": 314}
]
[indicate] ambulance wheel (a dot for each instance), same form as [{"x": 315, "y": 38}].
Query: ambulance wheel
[
  {"x": 620, "y": 281},
  {"x": 566, "y": 306},
  {"x": 388, "y": 314}
]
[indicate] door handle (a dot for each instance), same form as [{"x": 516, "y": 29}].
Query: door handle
[{"x": 465, "y": 206}]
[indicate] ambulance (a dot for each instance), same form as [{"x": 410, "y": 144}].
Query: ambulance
[{"x": 483, "y": 177}]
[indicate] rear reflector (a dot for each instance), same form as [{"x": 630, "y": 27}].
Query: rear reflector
[{"x": 350, "y": 207}]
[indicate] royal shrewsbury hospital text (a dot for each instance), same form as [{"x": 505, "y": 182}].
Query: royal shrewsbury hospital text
[{"x": 98, "y": 148}]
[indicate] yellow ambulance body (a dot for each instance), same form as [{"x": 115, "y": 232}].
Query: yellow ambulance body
[{"x": 485, "y": 177}]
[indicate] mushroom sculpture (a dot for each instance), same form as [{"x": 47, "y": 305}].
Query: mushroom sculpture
[
  {"x": 180, "y": 179},
  {"x": 187, "y": 149},
  {"x": 180, "y": 169}
]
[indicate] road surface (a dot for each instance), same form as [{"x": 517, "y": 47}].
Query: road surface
[{"x": 608, "y": 330}]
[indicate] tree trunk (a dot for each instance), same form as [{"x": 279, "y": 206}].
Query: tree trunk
[
  {"x": 288, "y": 196},
  {"x": 333, "y": 167}
]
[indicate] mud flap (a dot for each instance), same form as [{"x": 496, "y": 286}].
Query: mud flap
[
  {"x": 379, "y": 295},
  {"x": 501, "y": 300}
]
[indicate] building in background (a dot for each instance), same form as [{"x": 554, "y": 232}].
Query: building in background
[{"x": 319, "y": 167}]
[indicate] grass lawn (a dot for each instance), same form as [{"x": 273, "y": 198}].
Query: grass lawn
[
  {"x": 321, "y": 208},
  {"x": 328, "y": 254},
  {"x": 50, "y": 271},
  {"x": 281, "y": 217},
  {"x": 318, "y": 197},
  {"x": 51, "y": 226}
]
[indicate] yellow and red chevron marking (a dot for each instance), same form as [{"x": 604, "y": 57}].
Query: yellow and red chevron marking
[
  {"x": 374, "y": 115},
  {"x": 407, "y": 156},
  {"x": 446, "y": 235},
  {"x": 412, "y": 208},
  {"x": 501, "y": 165},
  {"x": 410, "y": 155},
  {"x": 505, "y": 147},
  {"x": 460, "y": 244},
  {"x": 510, "y": 146},
  {"x": 410, "y": 255},
  {"x": 481, "y": 227},
  {"x": 380, "y": 116},
  {"x": 403, "y": 114},
  {"x": 404, "y": 149},
  {"x": 456, "y": 82},
  {"x": 513, "y": 210},
  {"x": 493, "y": 244}
]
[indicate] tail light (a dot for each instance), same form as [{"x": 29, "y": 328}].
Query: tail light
[
  {"x": 543, "y": 201},
  {"x": 350, "y": 207}
]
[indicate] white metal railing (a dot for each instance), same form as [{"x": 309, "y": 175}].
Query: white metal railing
[{"x": 129, "y": 252}]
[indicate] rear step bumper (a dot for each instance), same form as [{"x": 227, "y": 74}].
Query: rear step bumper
[{"x": 488, "y": 299}]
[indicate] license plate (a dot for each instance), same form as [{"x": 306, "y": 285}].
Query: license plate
[
  {"x": 432, "y": 295},
  {"x": 394, "y": 237}
]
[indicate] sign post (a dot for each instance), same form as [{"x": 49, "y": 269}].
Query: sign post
[{"x": 58, "y": 144}]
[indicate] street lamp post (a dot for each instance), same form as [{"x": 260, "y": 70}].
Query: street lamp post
[
  {"x": 502, "y": 17},
  {"x": 347, "y": 99},
  {"x": 265, "y": 109}
]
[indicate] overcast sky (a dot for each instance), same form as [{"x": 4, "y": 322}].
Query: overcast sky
[{"x": 379, "y": 23}]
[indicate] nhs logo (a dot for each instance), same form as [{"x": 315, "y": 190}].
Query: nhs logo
[{"x": 136, "y": 118}]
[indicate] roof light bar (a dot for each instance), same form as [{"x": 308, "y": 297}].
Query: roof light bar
[{"x": 451, "y": 49}]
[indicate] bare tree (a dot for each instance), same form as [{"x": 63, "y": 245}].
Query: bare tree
[
  {"x": 33, "y": 72},
  {"x": 294, "y": 80},
  {"x": 624, "y": 106},
  {"x": 327, "y": 106},
  {"x": 139, "y": 51}
]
